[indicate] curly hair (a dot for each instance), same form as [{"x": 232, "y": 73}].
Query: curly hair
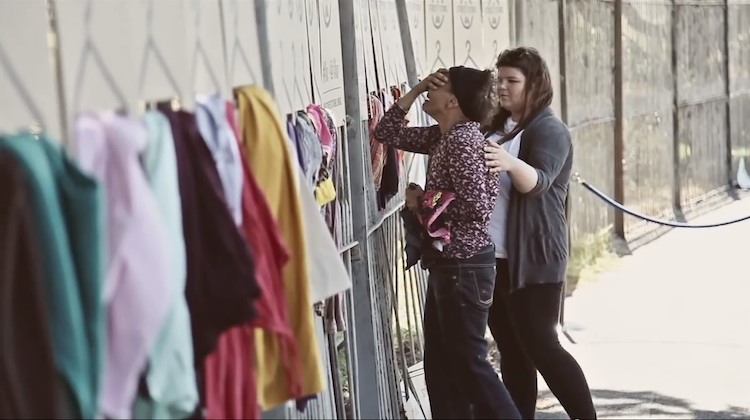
[
  {"x": 538, "y": 92},
  {"x": 477, "y": 92}
]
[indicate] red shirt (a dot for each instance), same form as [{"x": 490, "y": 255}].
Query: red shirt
[{"x": 230, "y": 377}]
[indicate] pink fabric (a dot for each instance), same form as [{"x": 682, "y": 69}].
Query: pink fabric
[
  {"x": 138, "y": 265},
  {"x": 317, "y": 115},
  {"x": 230, "y": 379},
  {"x": 434, "y": 204}
]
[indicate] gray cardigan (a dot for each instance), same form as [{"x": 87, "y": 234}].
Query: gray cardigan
[{"x": 537, "y": 241}]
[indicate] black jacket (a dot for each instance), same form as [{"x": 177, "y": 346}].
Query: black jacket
[{"x": 537, "y": 241}]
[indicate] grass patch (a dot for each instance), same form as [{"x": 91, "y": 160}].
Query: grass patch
[{"x": 590, "y": 255}]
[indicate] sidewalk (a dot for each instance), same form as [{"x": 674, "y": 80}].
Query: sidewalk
[{"x": 665, "y": 333}]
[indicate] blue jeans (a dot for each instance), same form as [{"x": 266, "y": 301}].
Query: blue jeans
[{"x": 460, "y": 381}]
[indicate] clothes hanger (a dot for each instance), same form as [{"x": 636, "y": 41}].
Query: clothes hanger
[
  {"x": 200, "y": 52},
  {"x": 295, "y": 86},
  {"x": 495, "y": 53},
  {"x": 89, "y": 48},
  {"x": 287, "y": 93},
  {"x": 26, "y": 99},
  {"x": 468, "y": 55},
  {"x": 237, "y": 48},
  {"x": 439, "y": 60},
  {"x": 151, "y": 47}
]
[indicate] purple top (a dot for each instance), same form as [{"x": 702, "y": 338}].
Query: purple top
[{"x": 456, "y": 164}]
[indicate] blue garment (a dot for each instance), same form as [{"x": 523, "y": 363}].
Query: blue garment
[
  {"x": 310, "y": 149},
  {"x": 170, "y": 377},
  {"x": 210, "y": 114}
]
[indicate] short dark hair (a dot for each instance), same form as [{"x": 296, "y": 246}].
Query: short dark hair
[
  {"x": 538, "y": 91},
  {"x": 476, "y": 91}
]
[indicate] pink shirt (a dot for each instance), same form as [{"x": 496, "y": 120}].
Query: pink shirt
[{"x": 138, "y": 267}]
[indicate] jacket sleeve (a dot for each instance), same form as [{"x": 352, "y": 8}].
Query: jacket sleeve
[
  {"x": 475, "y": 198},
  {"x": 549, "y": 147},
  {"x": 392, "y": 130}
]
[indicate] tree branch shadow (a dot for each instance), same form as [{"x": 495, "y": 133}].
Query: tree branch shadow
[{"x": 640, "y": 404}]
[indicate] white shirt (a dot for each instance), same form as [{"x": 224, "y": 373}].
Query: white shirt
[{"x": 500, "y": 213}]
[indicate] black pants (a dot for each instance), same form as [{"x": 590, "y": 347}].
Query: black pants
[
  {"x": 460, "y": 381},
  {"x": 524, "y": 326}
]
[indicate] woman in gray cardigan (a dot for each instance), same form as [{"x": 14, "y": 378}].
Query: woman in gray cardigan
[{"x": 532, "y": 150}]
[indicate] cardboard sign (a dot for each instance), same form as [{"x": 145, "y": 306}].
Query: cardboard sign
[
  {"x": 332, "y": 73},
  {"x": 368, "y": 47},
  {"x": 415, "y": 12},
  {"x": 288, "y": 49},
  {"x": 392, "y": 42},
  {"x": 468, "y": 45},
  {"x": 439, "y": 34},
  {"x": 496, "y": 28},
  {"x": 314, "y": 41},
  {"x": 243, "y": 48},
  {"x": 377, "y": 42}
]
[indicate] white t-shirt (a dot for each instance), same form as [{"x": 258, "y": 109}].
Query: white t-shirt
[{"x": 499, "y": 216}]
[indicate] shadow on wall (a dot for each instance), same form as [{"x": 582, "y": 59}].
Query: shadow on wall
[{"x": 639, "y": 404}]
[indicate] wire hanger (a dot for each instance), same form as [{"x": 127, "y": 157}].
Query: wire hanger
[
  {"x": 89, "y": 48},
  {"x": 151, "y": 47},
  {"x": 38, "y": 124},
  {"x": 200, "y": 52},
  {"x": 295, "y": 87},
  {"x": 439, "y": 60},
  {"x": 238, "y": 49},
  {"x": 287, "y": 93},
  {"x": 468, "y": 55},
  {"x": 495, "y": 48}
]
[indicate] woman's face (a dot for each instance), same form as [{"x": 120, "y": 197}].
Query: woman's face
[
  {"x": 512, "y": 89},
  {"x": 439, "y": 101}
]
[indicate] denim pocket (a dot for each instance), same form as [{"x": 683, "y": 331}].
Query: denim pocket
[{"x": 479, "y": 285}]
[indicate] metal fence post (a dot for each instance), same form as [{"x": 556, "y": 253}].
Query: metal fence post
[
  {"x": 676, "y": 189},
  {"x": 366, "y": 352},
  {"x": 619, "y": 151},
  {"x": 728, "y": 89},
  {"x": 262, "y": 24},
  {"x": 562, "y": 27}
]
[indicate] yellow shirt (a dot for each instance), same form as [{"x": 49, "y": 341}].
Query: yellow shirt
[{"x": 272, "y": 165}]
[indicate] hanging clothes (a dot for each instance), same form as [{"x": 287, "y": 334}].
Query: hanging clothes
[
  {"x": 68, "y": 217},
  {"x": 326, "y": 133},
  {"x": 377, "y": 149},
  {"x": 230, "y": 388},
  {"x": 327, "y": 272},
  {"x": 29, "y": 385},
  {"x": 291, "y": 130},
  {"x": 138, "y": 267},
  {"x": 221, "y": 284},
  {"x": 277, "y": 174},
  {"x": 389, "y": 185},
  {"x": 330, "y": 210},
  {"x": 325, "y": 191},
  {"x": 230, "y": 380},
  {"x": 210, "y": 113},
  {"x": 170, "y": 390},
  {"x": 311, "y": 152}
]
